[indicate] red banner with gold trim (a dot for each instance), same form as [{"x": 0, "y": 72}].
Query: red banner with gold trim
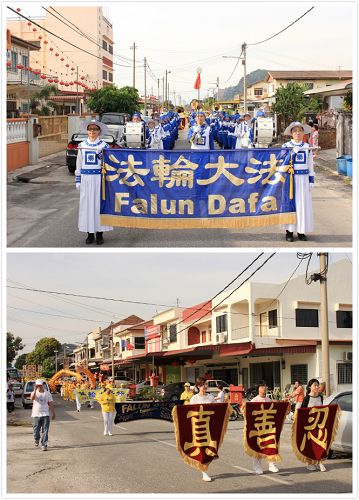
[
  {"x": 313, "y": 432},
  {"x": 262, "y": 428},
  {"x": 199, "y": 432}
]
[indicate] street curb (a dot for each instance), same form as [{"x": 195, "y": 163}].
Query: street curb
[{"x": 44, "y": 162}]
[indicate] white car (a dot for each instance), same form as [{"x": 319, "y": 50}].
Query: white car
[
  {"x": 343, "y": 441},
  {"x": 213, "y": 386},
  {"x": 144, "y": 384},
  {"x": 123, "y": 381}
]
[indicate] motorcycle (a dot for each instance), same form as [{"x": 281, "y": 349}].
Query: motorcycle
[
  {"x": 250, "y": 393},
  {"x": 236, "y": 413}
]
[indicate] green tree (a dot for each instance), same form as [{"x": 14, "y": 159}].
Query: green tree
[
  {"x": 44, "y": 349},
  {"x": 40, "y": 103},
  {"x": 20, "y": 361},
  {"x": 348, "y": 101},
  {"x": 113, "y": 99},
  {"x": 208, "y": 103},
  {"x": 291, "y": 104},
  {"x": 13, "y": 346}
]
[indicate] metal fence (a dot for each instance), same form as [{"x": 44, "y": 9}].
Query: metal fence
[{"x": 53, "y": 138}]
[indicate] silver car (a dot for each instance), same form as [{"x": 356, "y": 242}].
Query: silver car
[{"x": 343, "y": 441}]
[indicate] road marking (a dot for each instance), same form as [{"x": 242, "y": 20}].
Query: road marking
[
  {"x": 163, "y": 442},
  {"x": 271, "y": 477},
  {"x": 97, "y": 418},
  {"x": 120, "y": 427}
]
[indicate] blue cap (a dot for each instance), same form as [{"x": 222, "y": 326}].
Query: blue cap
[
  {"x": 201, "y": 113},
  {"x": 136, "y": 114}
]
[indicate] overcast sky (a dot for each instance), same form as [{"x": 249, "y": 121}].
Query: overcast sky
[
  {"x": 181, "y": 36},
  {"x": 158, "y": 278}
]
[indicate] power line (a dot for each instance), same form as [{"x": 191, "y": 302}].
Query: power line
[
  {"x": 281, "y": 31},
  {"x": 90, "y": 296},
  {"x": 56, "y": 315}
]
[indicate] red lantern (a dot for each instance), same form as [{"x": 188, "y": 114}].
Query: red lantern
[
  {"x": 29, "y": 68},
  {"x": 51, "y": 49},
  {"x": 34, "y": 29},
  {"x": 40, "y": 37},
  {"x": 29, "y": 24},
  {"x": 20, "y": 66},
  {"x": 18, "y": 9},
  {"x": 50, "y": 80},
  {"x": 46, "y": 42},
  {"x": 71, "y": 83},
  {"x": 66, "y": 84},
  {"x": 72, "y": 69},
  {"x": 57, "y": 54},
  {"x": 8, "y": 64},
  {"x": 36, "y": 72},
  {"x": 67, "y": 65},
  {"x": 82, "y": 78},
  {"x": 62, "y": 59},
  {"x": 43, "y": 77},
  {"x": 56, "y": 80}
]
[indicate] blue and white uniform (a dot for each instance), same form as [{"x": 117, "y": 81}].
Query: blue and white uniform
[
  {"x": 244, "y": 135},
  {"x": 88, "y": 174},
  {"x": 154, "y": 137},
  {"x": 201, "y": 137},
  {"x": 303, "y": 182}
]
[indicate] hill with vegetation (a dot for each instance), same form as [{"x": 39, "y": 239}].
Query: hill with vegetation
[{"x": 228, "y": 93}]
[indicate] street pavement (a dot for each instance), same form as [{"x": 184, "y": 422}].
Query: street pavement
[
  {"x": 43, "y": 209},
  {"x": 141, "y": 457}
]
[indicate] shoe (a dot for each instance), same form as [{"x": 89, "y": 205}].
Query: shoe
[
  {"x": 206, "y": 477},
  {"x": 272, "y": 467},
  {"x": 311, "y": 467},
  {"x": 90, "y": 238},
  {"x": 110, "y": 434},
  {"x": 322, "y": 467},
  {"x": 258, "y": 471},
  {"x": 36, "y": 444},
  {"x": 302, "y": 237},
  {"x": 99, "y": 239},
  {"x": 105, "y": 433},
  {"x": 289, "y": 236},
  {"x": 78, "y": 410},
  {"x": 44, "y": 448}
]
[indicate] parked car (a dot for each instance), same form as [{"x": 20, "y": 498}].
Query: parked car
[
  {"x": 72, "y": 147},
  {"x": 213, "y": 386},
  {"x": 17, "y": 388},
  {"x": 144, "y": 384},
  {"x": 123, "y": 380},
  {"x": 343, "y": 441},
  {"x": 115, "y": 122},
  {"x": 172, "y": 392},
  {"x": 28, "y": 389}
]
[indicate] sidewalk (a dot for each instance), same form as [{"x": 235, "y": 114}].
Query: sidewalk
[
  {"x": 326, "y": 160},
  {"x": 39, "y": 169}
]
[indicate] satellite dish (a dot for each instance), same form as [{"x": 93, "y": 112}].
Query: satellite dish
[{"x": 199, "y": 70}]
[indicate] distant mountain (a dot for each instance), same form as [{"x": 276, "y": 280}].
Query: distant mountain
[{"x": 228, "y": 93}]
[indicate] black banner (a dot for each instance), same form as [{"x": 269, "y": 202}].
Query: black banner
[{"x": 134, "y": 410}]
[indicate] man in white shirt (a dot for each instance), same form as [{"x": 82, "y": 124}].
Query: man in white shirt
[{"x": 42, "y": 404}]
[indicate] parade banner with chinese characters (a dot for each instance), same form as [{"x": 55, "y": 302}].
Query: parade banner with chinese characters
[
  {"x": 94, "y": 394},
  {"x": 134, "y": 410},
  {"x": 313, "y": 432},
  {"x": 197, "y": 189},
  {"x": 200, "y": 430},
  {"x": 262, "y": 428}
]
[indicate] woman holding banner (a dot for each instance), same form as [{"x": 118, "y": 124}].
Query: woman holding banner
[{"x": 107, "y": 401}]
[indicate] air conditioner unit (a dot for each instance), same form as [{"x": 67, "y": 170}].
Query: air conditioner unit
[
  {"x": 221, "y": 337},
  {"x": 348, "y": 356}
]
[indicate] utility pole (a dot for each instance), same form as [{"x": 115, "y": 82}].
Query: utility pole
[
  {"x": 145, "y": 66},
  {"x": 77, "y": 91},
  {"x": 324, "y": 331},
  {"x": 168, "y": 96},
  {"x": 56, "y": 360},
  {"x": 174, "y": 98},
  {"x": 158, "y": 94},
  {"x": 166, "y": 88},
  {"x": 244, "y": 62},
  {"x": 112, "y": 352},
  {"x": 163, "y": 92},
  {"x": 134, "y": 47}
]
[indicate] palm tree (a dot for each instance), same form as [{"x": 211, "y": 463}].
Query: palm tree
[{"x": 40, "y": 103}]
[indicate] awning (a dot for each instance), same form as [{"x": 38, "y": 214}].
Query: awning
[{"x": 236, "y": 349}]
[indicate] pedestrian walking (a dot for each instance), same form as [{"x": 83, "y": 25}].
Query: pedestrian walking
[
  {"x": 107, "y": 401},
  {"x": 88, "y": 181},
  {"x": 10, "y": 398},
  {"x": 297, "y": 394},
  {"x": 303, "y": 181},
  {"x": 186, "y": 394},
  {"x": 315, "y": 139},
  {"x": 262, "y": 398},
  {"x": 41, "y": 406},
  {"x": 202, "y": 398},
  {"x": 77, "y": 396},
  {"x": 313, "y": 398},
  {"x": 220, "y": 398}
]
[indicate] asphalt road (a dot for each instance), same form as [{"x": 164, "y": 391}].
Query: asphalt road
[
  {"x": 43, "y": 213},
  {"x": 141, "y": 457}
]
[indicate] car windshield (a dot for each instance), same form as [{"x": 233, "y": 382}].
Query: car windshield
[
  {"x": 31, "y": 385},
  {"x": 113, "y": 119}
]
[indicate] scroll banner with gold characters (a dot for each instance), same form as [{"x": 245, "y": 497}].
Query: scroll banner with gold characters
[
  {"x": 200, "y": 430},
  {"x": 262, "y": 428},
  {"x": 94, "y": 394},
  {"x": 313, "y": 432},
  {"x": 197, "y": 189}
]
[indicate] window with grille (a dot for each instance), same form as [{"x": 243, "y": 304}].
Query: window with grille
[
  {"x": 299, "y": 372},
  {"x": 173, "y": 333},
  {"x": 344, "y": 319},
  {"x": 13, "y": 58},
  {"x": 110, "y": 49},
  {"x": 221, "y": 323},
  {"x": 104, "y": 45},
  {"x": 104, "y": 74},
  {"x": 306, "y": 317},
  {"x": 345, "y": 373},
  {"x": 110, "y": 77},
  {"x": 258, "y": 92},
  {"x": 139, "y": 342},
  {"x": 273, "y": 318}
]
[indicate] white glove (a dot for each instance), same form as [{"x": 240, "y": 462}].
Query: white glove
[
  {"x": 296, "y": 149},
  {"x": 311, "y": 185},
  {"x": 78, "y": 186}
]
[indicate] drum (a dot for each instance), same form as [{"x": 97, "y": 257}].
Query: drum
[
  {"x": 264, "y": 132},
  {"x": 135, "y": 135}
]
